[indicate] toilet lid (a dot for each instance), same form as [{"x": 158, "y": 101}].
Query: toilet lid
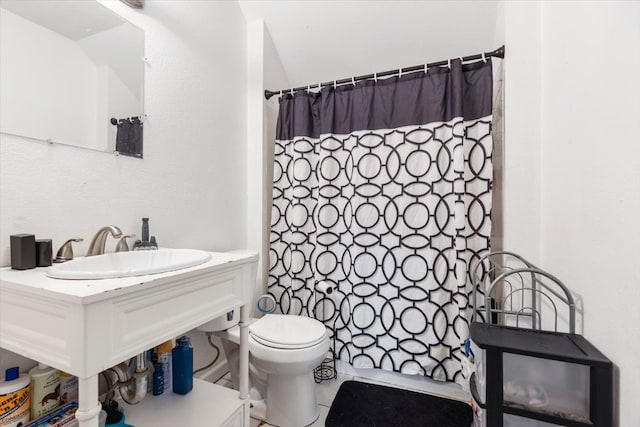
[{"x": 287, "y": 331}]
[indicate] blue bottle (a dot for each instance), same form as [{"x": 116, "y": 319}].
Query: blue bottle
[
  {"x": 182, "y": 355},
  {"x": 158, "y": 379}
]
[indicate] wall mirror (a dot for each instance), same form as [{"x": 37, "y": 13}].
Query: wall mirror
[{"x": 72, "y": 73}]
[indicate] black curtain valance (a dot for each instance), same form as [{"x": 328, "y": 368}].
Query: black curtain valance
[{"x": 412, "y": 99}]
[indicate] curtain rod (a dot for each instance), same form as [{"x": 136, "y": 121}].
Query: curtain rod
[{"x": 498, "y": 53}]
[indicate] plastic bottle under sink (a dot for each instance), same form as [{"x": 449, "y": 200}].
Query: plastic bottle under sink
[{"x": 45, "y": 390}]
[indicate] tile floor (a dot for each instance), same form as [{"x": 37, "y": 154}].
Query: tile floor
[{"x": 325, "y": 393}]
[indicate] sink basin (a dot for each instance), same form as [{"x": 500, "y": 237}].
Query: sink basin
[{"x": 127, "y": 264}]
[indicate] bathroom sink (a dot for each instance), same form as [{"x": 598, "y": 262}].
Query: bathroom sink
[{"x": 127, "y": 264}]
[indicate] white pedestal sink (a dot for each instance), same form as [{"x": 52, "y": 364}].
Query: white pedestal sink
[{"x": 128, "y": 264}]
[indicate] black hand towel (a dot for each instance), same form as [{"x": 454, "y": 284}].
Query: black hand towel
[{"x": 129, "y": 137}]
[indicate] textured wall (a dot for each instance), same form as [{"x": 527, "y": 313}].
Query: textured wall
[
  {"x": 522, "y": 129},
  {"x": 265, "y": 71},
  {"x": 590, "y": 169},
  {"x": 573, "y": 164},
  {"x": 322, "y": 40}
]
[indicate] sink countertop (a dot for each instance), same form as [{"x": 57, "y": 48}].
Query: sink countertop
[{"x": 93, "y": 290}]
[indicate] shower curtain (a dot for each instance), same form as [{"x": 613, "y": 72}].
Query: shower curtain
[{"x": 383, "y": 189}]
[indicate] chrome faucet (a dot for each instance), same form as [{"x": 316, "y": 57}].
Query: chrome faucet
[{"x": 96, "y": 247}]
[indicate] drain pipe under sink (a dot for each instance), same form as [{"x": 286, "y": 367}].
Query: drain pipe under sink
[{"x": 132, "y": 390}]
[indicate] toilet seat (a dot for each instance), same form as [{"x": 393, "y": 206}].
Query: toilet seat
[{"x": 285, "y": 331}]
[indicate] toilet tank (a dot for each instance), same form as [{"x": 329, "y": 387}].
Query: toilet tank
[{"x": 221, "y": 323}]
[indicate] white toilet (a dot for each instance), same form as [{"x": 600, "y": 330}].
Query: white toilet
[{"x": 283, "y": 350}]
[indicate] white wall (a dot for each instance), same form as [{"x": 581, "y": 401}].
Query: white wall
[
  {"x": 522, "y": 129},
  {"x": 255, "y": 145},
  {"x": 590, "y": 173},
  {"x": 47, "y": 84},
  {"x": 321, "y": 40},
  {"x": 573, "y": 164},
  {"x": 192, "y": 181},
  {"x": 275, "y": 77},
  {"x": 265, "y": 71}
]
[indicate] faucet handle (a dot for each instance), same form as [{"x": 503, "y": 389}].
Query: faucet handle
[
  {"x": 122, "y": 245},
  {"x": 65, "y": 253}
]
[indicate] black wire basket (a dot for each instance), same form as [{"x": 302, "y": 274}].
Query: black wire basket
[{"x": 327, "y": 369}]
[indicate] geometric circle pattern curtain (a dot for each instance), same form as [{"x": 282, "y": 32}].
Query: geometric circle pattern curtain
[{"x": 393, "y": 216}]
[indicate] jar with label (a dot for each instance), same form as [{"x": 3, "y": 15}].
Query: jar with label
[
  {"x": 45, "y": 390},
  {"x": 15, "y": 398},
  {"x": 68, "y": 388}
]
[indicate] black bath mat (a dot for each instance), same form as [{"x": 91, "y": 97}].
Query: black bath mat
[{"x": 370, "y": 405}]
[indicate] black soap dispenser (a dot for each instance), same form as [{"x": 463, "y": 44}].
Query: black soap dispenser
[
  {"x": 145, "y": 229},
  {"x": 145, "y": 243}
]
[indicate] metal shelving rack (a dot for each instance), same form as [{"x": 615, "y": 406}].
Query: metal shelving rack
[{"x": 524, "y": 307}]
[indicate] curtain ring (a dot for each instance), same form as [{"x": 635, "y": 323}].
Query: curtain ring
[
  {"x": 308, "y": 88},
  {"x": 292, "y": 93},
  {"x": 449, "y": 63},
  {"x": 280, "y": 92},
  {"x": 353, "y": 80},
  {"x": 426, "y": 67},
  {"x": 484, "y": 58},
  {"x": 335, "y": 84},
  {"x": 399, "y": 73},
  {"x": 319, "y": 86},
  {"x": 461, "y": 60},
  {"x": 375, "y": 77}
]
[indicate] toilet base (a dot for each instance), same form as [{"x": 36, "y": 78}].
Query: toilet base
[
  {"x": 291, "y": 400},
  {"x": 282, "y": 386},
  {"x": 259, "y": 412}
]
